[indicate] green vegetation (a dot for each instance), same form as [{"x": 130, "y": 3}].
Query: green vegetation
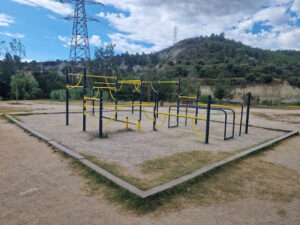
[{"x": 212, "y": 60}]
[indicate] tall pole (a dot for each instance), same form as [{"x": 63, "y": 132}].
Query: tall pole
[
  {"x": 67, "y": 97},
  {"x": 248, "y": 112},
  {"x": 101, "y": 114},
  {"x": 84, "y": 100},
  {"x": 207, "y": 119},
  {"x": 197, "y": 101},
  {"x": 141, "y": 99},
  {"x": 93, "y": 94},
  {"x": 116, "y": 96},
  {"x": 178, "y": 99},
  {"x": 154, "y": 110}
]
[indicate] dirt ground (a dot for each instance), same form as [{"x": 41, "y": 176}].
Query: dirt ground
[
  {"x": 38, "y": 186},
  {"x": 130, "y": 148}
]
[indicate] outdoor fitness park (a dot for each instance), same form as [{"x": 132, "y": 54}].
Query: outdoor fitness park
[
  {"x": 191, "y": 106},
  {"x": 123, "y": 129}
]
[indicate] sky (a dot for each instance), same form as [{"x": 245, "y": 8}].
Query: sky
[{"x": 148, "y": 26}]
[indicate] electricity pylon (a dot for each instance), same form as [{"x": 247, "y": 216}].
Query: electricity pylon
[{"x": 80, "y": 49}]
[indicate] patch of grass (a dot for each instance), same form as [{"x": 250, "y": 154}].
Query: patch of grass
[
  {"x": 95, "y": 135},
  {"x": 250, "y": 176},
  {"x": 6, "y": 109}
]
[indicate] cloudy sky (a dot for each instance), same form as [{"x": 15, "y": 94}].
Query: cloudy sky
[{"x": 147, "y": 26}]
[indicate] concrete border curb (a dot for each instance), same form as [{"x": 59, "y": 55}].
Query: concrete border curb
[{"x": 160, "y": 188}]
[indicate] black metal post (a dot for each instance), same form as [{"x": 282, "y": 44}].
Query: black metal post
[
  {"x": 67, "y": 97},
  {"x": 141, "y": 99},
  {"x": 132, "y": 102},
  {"x": 241, "y": 122},
  {"x": 207, "y": 119},
  {"x": 84, "y": 100},
  {"x": 197, "y": 101},
  {"x": 186, "y": 113},
  {"x": 100, "y": 114},
  {"x": 93, "y": 94},
  {"x": 248, "y": 113},
  {"x": 178, "y": 100},
  {"x": 158, "y": 100},
  {"x": 116, "y": 96},
  {"x": 154, "y": 111}
]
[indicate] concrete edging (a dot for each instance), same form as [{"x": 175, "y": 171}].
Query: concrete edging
[{"x": 160, "y": 188}]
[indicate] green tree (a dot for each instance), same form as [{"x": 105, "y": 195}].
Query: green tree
[{"x": 24, "y": 86}]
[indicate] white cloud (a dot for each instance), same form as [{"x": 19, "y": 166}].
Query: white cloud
[
  {"x": 5, "y": 20},
  {"x": 296, "y": 7},
  {"x": 54, "y": 6},
  {"x": 66, "y": 40},
  {"x": 152, "y": 22},
  {"x": 51, "y": 17},
  {"x": 95, "y": 40},
  {"x": 16, "y": 35}
]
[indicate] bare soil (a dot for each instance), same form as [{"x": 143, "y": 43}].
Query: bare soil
[
  {"x": 38, "y": 186},
  {"x": 128, "y": 148}
]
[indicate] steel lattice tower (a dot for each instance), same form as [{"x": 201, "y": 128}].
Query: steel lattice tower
[
  {"x": 80, "y": 49},
  {"x": 175, "y": 35}
]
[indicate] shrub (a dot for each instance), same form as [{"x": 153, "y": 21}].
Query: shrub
[
  {"x": 250, "y": 77},
  {"x": 60, "y": 95},
  {"x": 266, "y": 78}
]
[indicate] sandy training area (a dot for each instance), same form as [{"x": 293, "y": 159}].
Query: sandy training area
[{"x": 129, "y": 147}]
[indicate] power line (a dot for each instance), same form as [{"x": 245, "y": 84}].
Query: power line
[{"x": 80, "y": 49}]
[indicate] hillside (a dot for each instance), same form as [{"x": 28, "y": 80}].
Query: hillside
[{"x": 214, "y": 57}]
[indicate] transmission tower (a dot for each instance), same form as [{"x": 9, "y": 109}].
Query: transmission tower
[
  {"x": 175, "y": 35},
  {"x": 80, "y": 50}
]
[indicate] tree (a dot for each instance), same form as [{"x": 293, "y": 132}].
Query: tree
[
  {"x": 219, "y": 92},
  {"x": 24, "y": 86}
]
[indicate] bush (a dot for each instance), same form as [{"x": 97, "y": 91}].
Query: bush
[
  {"x": 266, "y": 78},
  {"x": 219, "y": 92},
  {"x": 250, "y": 77},
  {"x": 60, "y": 95}
]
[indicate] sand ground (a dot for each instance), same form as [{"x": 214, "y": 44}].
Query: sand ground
[{"x": 39, "y": 186}]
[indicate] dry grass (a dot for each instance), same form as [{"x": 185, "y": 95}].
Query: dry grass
[
  {"x": 7, "y": 109},
  {"x": 250, "y": 176}
]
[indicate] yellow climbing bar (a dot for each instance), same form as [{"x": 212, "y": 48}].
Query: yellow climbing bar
[
  {"x": 113, "y": 88},
  {"x": 129, "y": 105},
  {"x": 222, "y": 106},
  {"x": 168, "y": 82},
  {"x": 98, "y": 82},
  {"x": 88, "y": 75},
  {"x": 197, "y": 132},
  {"x": 73, "y": 86},
  {"x": 163, "y": 121},
  {"x": 180, "y": 115},
  {"x": 192, "y": 97}
]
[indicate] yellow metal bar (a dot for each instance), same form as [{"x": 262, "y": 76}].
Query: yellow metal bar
[
  {"x": 129, "y": 105},
  {"x": 73, "y": 86},
  {"x": 197, "y": 132},
  {"x": 113, "y": 88},
  {"x": 126, "y": 122},
  {"x": 98, "y": 82},
  {"x": 192, "y": 97},
  {"x": 168, "y": 82},
  {"x": 97, "y": 76},
  {"x": 222, "y": 106},
  {"x": 180, "y": 115},
  {"x": 139, "y": 126}
]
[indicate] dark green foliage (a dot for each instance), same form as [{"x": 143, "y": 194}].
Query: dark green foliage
[
  {"x": 266, "y": 78},
  {"x": 250, "y": 77}
]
